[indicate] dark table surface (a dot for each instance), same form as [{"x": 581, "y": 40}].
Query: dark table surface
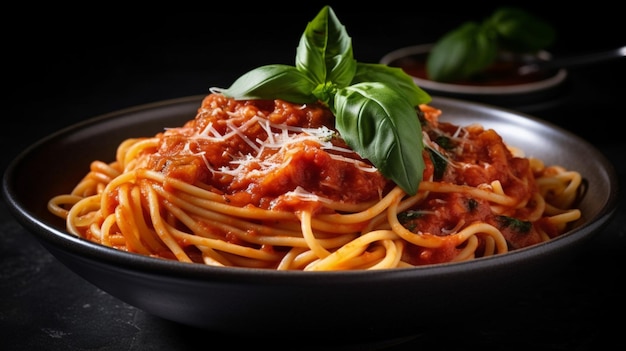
[{"x": 74, "y": 68}]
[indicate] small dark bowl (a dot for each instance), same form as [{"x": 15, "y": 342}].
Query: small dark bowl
[
  {"x": 500, "y": 86},
  {"x": 359, "y": 305}
]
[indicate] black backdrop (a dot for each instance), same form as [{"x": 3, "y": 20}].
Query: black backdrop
[{"x": 61, "y": 67}]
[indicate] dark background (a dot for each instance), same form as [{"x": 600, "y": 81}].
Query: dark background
[
  {"x": 63, "y": 63},
  {"x": 63, "y": 68}
]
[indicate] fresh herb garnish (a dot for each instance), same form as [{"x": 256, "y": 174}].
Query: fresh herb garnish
[
  {"x": 472, "y": 204},
  {"x": 440, "y": 163},
  {"x": 374, "y": 104},
  {"x": 445, "y": 142},
  {"x": 515, "y": 224},
  {"x": 473, "y": 46},
  {"x": 409, "y": 215}
]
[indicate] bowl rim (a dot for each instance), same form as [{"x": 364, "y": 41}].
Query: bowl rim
[{"x": 551, "y": 82}]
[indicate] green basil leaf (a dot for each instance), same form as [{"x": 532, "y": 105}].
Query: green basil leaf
[
  {"x": 516, "y": 224},
  {"x": 374, "y": 105},
  {"x": 472, "y": 47},
  {"x": 520, "y": 31},
  {"x": 440, "y": 163},
  {"x": 325, "y": 50},
  {"x": 393, "y": 77},
  {"x": 383, "y": 127},
  {"x": 272, "y": 82},
  {"x": 461, "y": 53}
]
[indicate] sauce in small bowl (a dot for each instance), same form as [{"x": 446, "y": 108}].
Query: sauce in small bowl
[{"x": 500, "y": 84}]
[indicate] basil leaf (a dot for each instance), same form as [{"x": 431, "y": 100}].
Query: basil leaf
[
  {"x": 374, "y": 105},
  {"x": 461, "y": 53},
  {"x": 394, "y": 78},
  {"x": 472, "y": 47},
  {"x": 383, "y": 127},
  {"x": 515, "y": 224},
  {"x": 325, "y": 50},
  {"x": 440, "y": 163},
  {"x": 272, "y": 82},
  {"x": 520, "y": 31}
]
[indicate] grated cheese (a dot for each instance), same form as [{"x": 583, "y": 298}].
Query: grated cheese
[{"x": 279, "y": 137}]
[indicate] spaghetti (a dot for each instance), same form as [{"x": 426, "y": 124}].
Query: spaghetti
[{"x": 271, "y": 184}]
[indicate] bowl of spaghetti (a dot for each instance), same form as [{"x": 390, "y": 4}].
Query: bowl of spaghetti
[
  {"x": 345, "y": 292},
  {"x": 283, "y": 217}
]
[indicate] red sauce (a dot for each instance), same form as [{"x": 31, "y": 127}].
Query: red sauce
[
  {"x": 481, "y": 157},
  {"x": 501, "y": 73},
  {"x": 478, "y": 157},
  {"x": 273, "y": 172}
]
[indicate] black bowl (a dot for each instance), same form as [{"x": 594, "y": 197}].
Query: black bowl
[{"x": 253, "y": 302}]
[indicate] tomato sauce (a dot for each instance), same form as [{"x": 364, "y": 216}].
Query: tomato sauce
[
  {"x": 500, "y": 73},
  {"x": 257, "y": 152},
  {"x": 235, "y": 160},
  {"x": 476, "y": 157}
]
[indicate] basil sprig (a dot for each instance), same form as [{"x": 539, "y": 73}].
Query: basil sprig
[
  {"x": 473, "y": 46},
  {"x": 374, "y": 104}
]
